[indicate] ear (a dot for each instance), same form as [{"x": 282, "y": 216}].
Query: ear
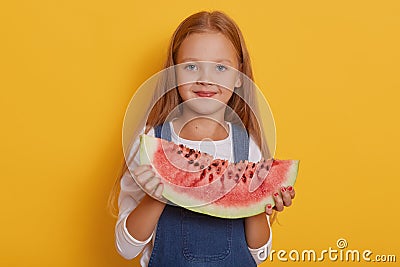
[{"x": 238, "y": 81}]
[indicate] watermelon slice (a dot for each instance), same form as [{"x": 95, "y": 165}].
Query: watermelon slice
[{"x": 216, "y": 187}]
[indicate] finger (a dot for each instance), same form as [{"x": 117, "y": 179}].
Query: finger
[
  {"x": 278, "y": 201},
  {"x": 144, "y": 177},
  {"x": 287, "y": 200},
  {"x": 159, "y": 190},
  {"x": 152, "y": 183},
  {"x": 291, "y": 191},
  {"x": 268, "y": 209},
  {"x": 140, "y": 169}
]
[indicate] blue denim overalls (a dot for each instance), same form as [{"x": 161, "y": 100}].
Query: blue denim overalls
[{"x": 185, "y": 238}]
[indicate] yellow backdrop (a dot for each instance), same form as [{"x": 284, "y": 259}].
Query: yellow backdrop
[{"x": 329, "y": 69}]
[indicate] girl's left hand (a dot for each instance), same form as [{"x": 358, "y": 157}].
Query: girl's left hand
[{"x": 283, "y": 198}]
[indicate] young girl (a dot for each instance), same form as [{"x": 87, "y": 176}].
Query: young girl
[{"x": 171, "y": 235}]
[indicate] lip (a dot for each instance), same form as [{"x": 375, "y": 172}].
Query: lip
[{"x": 205, "y": 93}]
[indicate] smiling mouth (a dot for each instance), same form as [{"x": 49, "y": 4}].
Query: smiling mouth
[{"x": 205, "y": 94}]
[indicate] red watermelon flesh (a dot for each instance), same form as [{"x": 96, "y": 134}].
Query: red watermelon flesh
[{"x": 216, "y": 187}]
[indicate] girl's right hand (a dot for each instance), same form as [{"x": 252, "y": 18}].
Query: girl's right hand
[{"x": 148, "y": 180}]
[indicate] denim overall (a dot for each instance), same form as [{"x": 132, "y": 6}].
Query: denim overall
[{"x": 185, "y": 238}]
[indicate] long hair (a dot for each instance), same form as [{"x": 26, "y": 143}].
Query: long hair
[{"x": 204, "y": 22}]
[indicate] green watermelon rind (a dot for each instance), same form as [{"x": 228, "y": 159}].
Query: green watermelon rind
[
  {"x": 149, "y": 146},
  {"x": 147, "y": 149}
]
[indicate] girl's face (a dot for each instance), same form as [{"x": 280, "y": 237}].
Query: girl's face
[{"x": 206, "y": 69}]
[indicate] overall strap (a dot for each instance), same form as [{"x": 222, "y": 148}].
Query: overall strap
[
  {"x": 240, "y": 141},
  {"x": 163, "y": 131}
]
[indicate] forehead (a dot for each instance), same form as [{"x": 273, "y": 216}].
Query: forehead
[{"x": 207, "y": 47}]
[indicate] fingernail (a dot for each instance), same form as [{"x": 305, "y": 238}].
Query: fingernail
[
  {"x": 290, "y": 188},
  {"x": 283, "y": 189},
  {"x": 269, "y": 206},
  {"x": 276, "y": 194}
]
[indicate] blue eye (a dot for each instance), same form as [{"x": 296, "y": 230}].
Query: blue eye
[
  {"x": 221, "y": 67},
  {"x": 191, "y": 67}
]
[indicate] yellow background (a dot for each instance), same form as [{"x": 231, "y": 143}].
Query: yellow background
[{"x": 329, "y": 69}]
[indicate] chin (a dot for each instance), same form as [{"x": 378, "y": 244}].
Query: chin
[{"x": 204, "y": 106}]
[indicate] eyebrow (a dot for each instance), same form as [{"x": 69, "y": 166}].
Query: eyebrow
[{"x": 217, "y": 60}]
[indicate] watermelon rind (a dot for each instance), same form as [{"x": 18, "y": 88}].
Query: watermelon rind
[
  {"x": 174, "y": 194},
  {"x": 148, "y": 146}
]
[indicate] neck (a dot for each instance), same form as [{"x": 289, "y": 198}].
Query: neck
[{"x": 197, "y": 127}]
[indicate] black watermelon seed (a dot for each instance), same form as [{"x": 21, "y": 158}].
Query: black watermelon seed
[
  {"x": 215, "y": 164},
  {"x": 251, "y": 174},
  {"x": 223, "y": 163},
  {"x": 196, "y": 164},
  {"x": 239, "y": 169},
  {"x": 201, "y": 166},
  {"x": 254, "y": 164},
  {"x": 244, "y": 178},
  {"x": 190, "y": 161},
  {"x": 196, "y": 155},
  {"x": 209, "y": 168},
  {"x": 179, "y": 151},
  {"x": 191, "y": 151},
  {"x": 187, "y": 155},
  {"x": 236, "y": 177},
  {"x": 181, "y": 145},
  {"x": 262, "y": 166},
  {"x": 267, "y": 167}
]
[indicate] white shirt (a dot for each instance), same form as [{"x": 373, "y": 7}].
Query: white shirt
[{"x": 131, "y": 195}]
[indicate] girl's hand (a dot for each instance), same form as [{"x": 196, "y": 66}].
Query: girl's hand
[
  {"x": 146, "y": 178},
  {"x": 283, "y": 198}
]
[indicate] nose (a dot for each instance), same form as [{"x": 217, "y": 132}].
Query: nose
[
  {"x": 204, "y": 83},
  {"x": 204, "y": 77}
]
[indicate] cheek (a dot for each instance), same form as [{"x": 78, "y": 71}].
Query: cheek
[
  {"x": 226, "y": 94},
  {"x": 184, "y": 91}
]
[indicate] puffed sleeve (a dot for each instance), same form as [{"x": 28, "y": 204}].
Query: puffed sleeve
[
  {"x": 261, "y": 254},
  {"x": 130, "y": 196}
]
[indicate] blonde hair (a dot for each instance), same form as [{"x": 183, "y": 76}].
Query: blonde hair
[{"x": 204, "y": 22}]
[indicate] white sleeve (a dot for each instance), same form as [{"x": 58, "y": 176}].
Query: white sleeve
[
  {"x": 259, "y": 254},
  {"x": 130, "y": 196}
]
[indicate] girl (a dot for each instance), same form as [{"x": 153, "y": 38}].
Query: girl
[{"x": 170, "y": 235}]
